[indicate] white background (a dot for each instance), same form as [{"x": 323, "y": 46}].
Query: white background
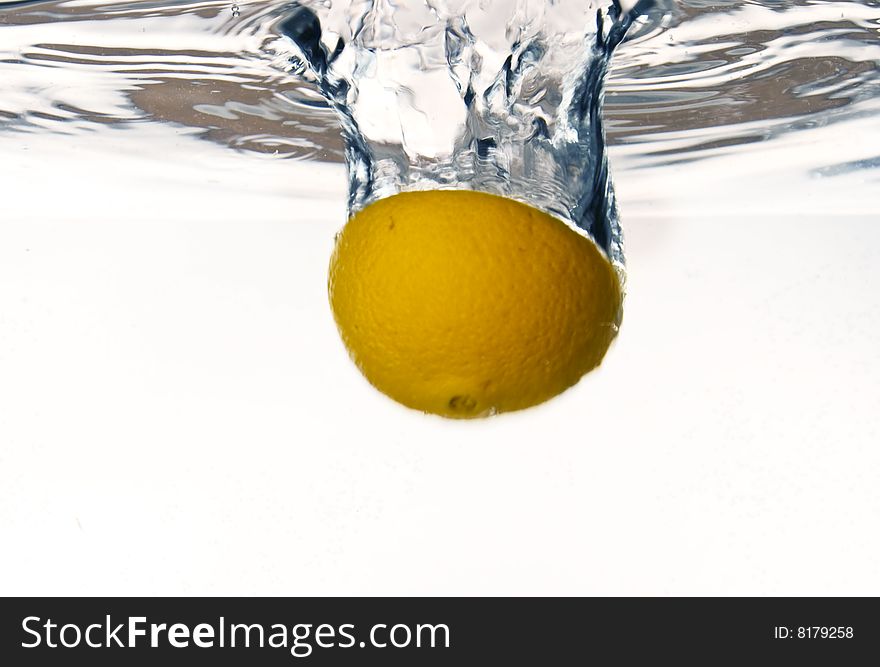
[{"x": 178, "y": 415}]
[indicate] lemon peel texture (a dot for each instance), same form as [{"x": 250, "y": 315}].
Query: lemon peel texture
[{"x": 464, "y": 304}]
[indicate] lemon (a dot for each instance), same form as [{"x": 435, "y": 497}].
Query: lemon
[{"x": 464, "y": 304}]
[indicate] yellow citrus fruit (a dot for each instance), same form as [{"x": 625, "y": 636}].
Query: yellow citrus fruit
[{"x": 464, "y": 304}]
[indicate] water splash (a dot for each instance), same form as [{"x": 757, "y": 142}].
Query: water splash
[
  {"x": 766, "y": 93},
  {"x": 501, "y": 97}
]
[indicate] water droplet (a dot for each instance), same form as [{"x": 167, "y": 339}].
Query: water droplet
[{"x": 463, "y": 403}]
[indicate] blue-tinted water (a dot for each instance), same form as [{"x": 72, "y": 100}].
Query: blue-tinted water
[{"x": 789, "y": 87}]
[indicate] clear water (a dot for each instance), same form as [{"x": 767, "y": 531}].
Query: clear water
[
  {"x": 178, "y": 415},
  {"x": 502, "y": 97},
  {"x": 767, "y": 87}
]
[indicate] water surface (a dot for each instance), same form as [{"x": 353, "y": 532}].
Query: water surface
[{"x": 781, "y": 94}]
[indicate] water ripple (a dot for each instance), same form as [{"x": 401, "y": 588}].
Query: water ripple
[
  {"x": 746, "y": 71},
  {"x": 693, "y": 78}
]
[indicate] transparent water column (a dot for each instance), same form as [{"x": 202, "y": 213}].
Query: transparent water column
[{"x": 500, "y": 96}]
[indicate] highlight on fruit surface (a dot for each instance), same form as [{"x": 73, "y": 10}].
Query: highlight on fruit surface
[{"x": 464, "y": 304}]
